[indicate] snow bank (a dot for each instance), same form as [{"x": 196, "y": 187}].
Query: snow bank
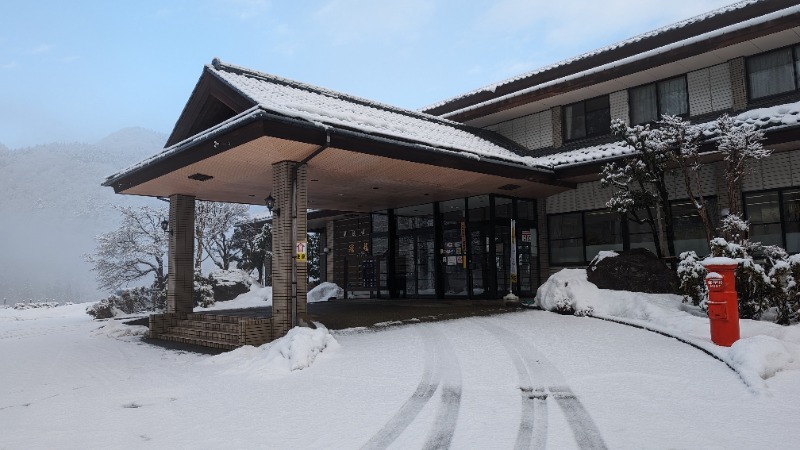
[
  {"x": 764, "y": 350},
  {"x": 257, "y": 297},
  {"x": 325, "y": 292},
  {"x": 296, "y": 351},
  {"x": 118, "y": 330}
]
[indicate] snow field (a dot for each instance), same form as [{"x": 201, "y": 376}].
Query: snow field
[{"x": 73, "y": 384}]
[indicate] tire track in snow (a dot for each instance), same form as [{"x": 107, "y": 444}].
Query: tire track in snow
[
  {"x": 412, "y": 407},
  {"x": 537, "y": 375},
  {"x": 444, "y": 426},
  {"x": 441, "y": 368}
]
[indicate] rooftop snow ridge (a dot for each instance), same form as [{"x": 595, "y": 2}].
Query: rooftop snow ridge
[
  {"x": 699, "y": 18},
  {"x": 220, "y": 66},
  {"x": 770, "y": 118}
]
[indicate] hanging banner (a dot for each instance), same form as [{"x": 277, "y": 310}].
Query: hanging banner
[{"x": 513, "y": 252}]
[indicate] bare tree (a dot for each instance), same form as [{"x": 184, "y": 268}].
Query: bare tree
[
  {"x": 739, "y": 144},
  {"x": 683, "y": 141},
  {"x": 639, "y": 182},
  {"x": 214, "y": 223},
  {"x": 132, "y": 252}
]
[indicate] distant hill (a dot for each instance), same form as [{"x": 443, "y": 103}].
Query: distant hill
[{"x": 52, "y": 206}]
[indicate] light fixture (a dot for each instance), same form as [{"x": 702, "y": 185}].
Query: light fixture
[
  {"x": 270, "y": 201},
  {"x": 165, "y": 226}
]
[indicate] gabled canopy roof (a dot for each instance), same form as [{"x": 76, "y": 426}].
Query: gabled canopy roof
[{"x": 239, "y": 122}]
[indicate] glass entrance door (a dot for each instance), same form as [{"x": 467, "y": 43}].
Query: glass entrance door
[
  {"x": 415, "y": 251},
  {"x": 454, "y": 248}
]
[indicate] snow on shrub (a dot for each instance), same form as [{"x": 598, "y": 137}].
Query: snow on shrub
[
  {"x": 692, "y": 275},
  {"x": 567, "y": 292},
  {"x": 325, "y": 292},
  {"x": 36, "y": 305},
  {"x": 296, "y": 351},
  {"x": 129, "y": 301}
]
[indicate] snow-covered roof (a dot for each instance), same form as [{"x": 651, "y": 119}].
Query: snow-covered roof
[
  {"x": 772, "y": 118},
  {"x": 492, "y": 88},
  {"x": 329, "y": 108}
]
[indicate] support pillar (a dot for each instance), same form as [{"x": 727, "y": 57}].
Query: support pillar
[
  {"x": 289, "y": 225},
  {"x": 181, "y": 254}
]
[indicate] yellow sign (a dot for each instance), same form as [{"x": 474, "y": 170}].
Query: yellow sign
[{"x": 302, "y": 250}]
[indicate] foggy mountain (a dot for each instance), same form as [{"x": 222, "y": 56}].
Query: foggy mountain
[{"x": 51, "y": 208}]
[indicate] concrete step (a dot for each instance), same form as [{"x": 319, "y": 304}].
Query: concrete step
[
  {"x": 211, "y": 343},
  {"x": 210, "y": 326},
  {"x": 218, "y": 336}
]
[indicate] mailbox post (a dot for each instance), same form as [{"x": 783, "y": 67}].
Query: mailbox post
[{"x": 723, "y": 303}]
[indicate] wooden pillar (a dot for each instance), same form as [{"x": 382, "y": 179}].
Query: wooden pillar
[
  {"x": 181, "y": 254},
  {"x": 289, "y": 225}
]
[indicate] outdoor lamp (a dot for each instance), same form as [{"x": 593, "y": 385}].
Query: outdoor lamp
[
  {"x": 165, "y": 226},
  {"x": 270, "y": 201}
]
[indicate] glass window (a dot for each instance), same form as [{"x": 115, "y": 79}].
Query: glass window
[
  {"x": 763, "y": 212},
  {"x": 640, "y": 235},
  {"x": 643, "y": 104},
  {"x": 791, "y": 216},
  {"x": 673, "y": 98},
  {"x": 566, "y": 238},
  {"x": 651, "y": 101},
  {"x": 526, "y": 209},
  {"x": 380, "y": 222},
  {"x": 502, "y": 208},
  {"x": 603, "y": 232},
  {"x": 688, "y": 226},
  {"x": 588, "y": 118},
  {"x": 771, "y": 73}
]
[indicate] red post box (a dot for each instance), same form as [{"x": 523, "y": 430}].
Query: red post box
[{"x": 723, "y": 303}]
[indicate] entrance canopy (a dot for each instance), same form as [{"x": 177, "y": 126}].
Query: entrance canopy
[{"x": 360, "y": 155}]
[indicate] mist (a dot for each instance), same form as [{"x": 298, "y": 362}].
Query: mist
[{"x": 52, "y": 207}]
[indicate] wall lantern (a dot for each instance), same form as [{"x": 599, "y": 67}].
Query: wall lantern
[
  {"x": 270, "y": 201},
  {"x": 165, "y": 226}
]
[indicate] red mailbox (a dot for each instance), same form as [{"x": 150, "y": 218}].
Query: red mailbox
[{"x": 723, "y": 303}]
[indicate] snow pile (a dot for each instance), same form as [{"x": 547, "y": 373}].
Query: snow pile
[
  {"x": 257, "y": 297},
  {"x": 296, "y": 351},
  {"x": 324, "y": 292},
  {"x": 230, "y": 277},
  {"x": 765, "y": 355},
  {"x": 118, "y": 330},
  {"x": 601, "y": 255},
  {"x": 764, "y": 350}
]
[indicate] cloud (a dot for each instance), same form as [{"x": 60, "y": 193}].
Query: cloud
[
  {"x": 9, "y": 65},
  {"x": 367, "y": 20},
  {"x": 574, "y": 22},
  {"x": 42, "y": 48}
]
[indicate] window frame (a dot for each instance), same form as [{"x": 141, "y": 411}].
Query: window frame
[
  {"x": 586, "y": 134},
  {"x": 794, "y": 51},
  {"x": 659, "y": 108},
  {"x": 623, "y": 230}
]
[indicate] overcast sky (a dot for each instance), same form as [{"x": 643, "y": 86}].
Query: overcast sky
[{"x": 80, "y": 70}]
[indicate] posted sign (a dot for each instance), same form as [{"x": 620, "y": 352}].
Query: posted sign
[{"x": 302, "y": 251}]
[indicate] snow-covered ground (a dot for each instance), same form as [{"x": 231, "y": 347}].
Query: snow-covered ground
[{"x": 526, "y": 379}]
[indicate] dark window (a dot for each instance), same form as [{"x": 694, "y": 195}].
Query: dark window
[
  {"x": 772, "y": 73},
  {"x": 651, "y": 101},
  {"x": 763, "y": 212},
  {"x": 588, "y": 118},
  {"x": 566, "y": 238},
  {"x": 603, "y": 232},
  {"x": 688, "y": 226}
]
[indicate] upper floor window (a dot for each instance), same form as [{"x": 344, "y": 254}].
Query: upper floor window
[
  {"x": 651, "y": 101},
  {"x": 587, "y": 118},
  {"x": 774, "y": 72}
]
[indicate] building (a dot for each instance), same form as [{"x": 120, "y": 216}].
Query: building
[{"x": 418, "y": 204}]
